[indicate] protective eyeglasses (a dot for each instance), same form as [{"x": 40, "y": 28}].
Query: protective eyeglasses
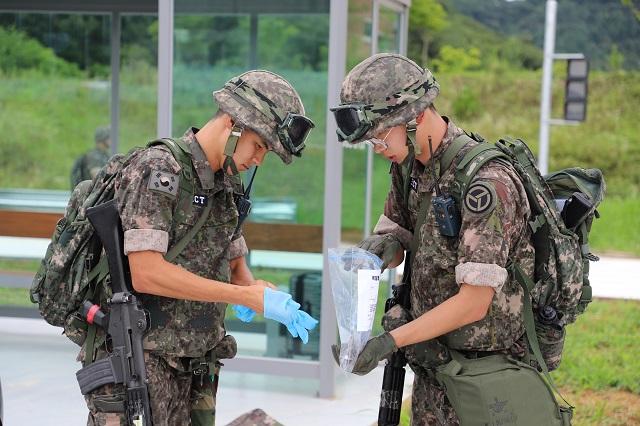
[
  {"x": 292, "y": 129},
  {"x": 379, "y": 145},
  {"x": 354, "y": 120}
]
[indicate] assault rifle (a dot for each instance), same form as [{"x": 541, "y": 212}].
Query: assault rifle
[
  {"x": 393, "y": 377},
  {"x": 125, "y": 324}
]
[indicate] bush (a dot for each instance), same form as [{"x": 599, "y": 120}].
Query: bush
[
  {"x": 455, "y": 59},
  {"x": 466, "y": 105},
  {"x": 21, "y": 53}
]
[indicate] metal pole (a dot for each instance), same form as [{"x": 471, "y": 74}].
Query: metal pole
[
  {"x": 547, "y": 78},
  {"x": 404, "y": 30},
  {"x": 253, "y": 42},
  {"x": 332, "y": 191},
  {"x": 165, "y": 67},
  {"x": 115, "y": 81},
  {"x": 368, "y": 189}
]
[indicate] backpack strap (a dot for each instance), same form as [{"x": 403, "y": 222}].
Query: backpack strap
[
  {"x": 530, "y": 326},
  {"x": 473, "y": 161},
  {"x": 182, "y": 155}
]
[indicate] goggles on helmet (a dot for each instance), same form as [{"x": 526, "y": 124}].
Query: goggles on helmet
[
  {"x": 354, "y": 120},
  {"x": 292, "y": 129}
]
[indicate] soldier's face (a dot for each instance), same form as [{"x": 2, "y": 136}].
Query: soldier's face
[
  {"x": 250, "y": 150},
  {"x": 396, "y": 140}
]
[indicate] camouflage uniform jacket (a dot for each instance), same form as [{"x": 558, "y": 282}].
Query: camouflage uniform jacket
[
  {"x": 147, "y": 194},
  {"x": 494, "y": 230}
]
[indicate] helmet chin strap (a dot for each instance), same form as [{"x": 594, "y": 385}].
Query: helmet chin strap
[
  {"x": 411, "y": 138},
  {"x": 230, "y": 149}
]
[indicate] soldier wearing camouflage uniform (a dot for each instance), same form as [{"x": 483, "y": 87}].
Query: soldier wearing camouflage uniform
[
  {"x": 187, "y": 298},
  {"x": 87, "y": 166},
  {"x": 461, "y": 294}
]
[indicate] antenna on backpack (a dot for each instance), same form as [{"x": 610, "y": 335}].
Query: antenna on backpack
[{"x": 433, "y": 170}]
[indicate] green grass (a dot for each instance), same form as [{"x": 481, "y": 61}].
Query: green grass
[
  {"x": 618, "y": 229},
  {"x": 19, "y": 265},
  {"x": 601, "y": 348},
  {"x": 15, "y": 297}
]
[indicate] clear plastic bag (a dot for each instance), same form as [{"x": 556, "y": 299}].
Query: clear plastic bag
[{"x": 355, "y": 278}]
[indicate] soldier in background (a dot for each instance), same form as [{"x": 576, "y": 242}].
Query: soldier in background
[
  {"x": 462, "y": 297},
  {"x": 87, "y": 166}
]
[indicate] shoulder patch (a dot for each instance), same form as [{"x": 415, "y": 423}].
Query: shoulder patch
[
  {"x": 480, "y": 199},
  {"x": 164, "y": 182}
]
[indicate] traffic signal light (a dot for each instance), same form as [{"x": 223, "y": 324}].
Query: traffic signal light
[{"x": 575, "y": 100}]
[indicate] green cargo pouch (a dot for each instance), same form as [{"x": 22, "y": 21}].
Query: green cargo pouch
[
  {"x": 499, "y": 390},
  {"x": 109, "y": 403}
]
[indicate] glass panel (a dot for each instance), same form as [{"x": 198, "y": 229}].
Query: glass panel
[
  {"x": 225, "y": 39},
  {"x": 389, "y": 30},
  {"x": 54, "y": 94},
  {"x": 138, "y": 80},
  {"x": 359, "y": 31}
]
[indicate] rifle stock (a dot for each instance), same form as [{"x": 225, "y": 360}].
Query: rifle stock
[
  {"x": 394, "y": 371},
  {"x": 128, "y": 322}
]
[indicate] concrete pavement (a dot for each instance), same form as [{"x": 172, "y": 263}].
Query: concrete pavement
[{"x": 37, "y": 368}]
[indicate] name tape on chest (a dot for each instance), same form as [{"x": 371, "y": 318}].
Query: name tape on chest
[
  {"x": 414, "y": 184},
  {"x": 480, "y": 199},
  {"x": 164, "y": 182},
  {"x": 200, "y": 200}
]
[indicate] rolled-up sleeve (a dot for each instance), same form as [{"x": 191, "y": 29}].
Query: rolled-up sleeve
[
  {"x": 238, "y": 248},
  {"x": 494, "y": 215},
  {"x": 146, "y": 212}
]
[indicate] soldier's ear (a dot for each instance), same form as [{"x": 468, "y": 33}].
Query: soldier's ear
[{"x": 420, "y": 117}]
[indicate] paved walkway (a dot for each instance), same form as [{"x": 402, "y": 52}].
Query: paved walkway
[{"x": 37, "y": 369}]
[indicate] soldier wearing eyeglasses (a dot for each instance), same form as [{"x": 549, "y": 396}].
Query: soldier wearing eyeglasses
[{"x": 462, "y": 297}]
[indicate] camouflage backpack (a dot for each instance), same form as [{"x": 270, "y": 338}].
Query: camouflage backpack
[
  {"x": 74, "y": 268},
  {"x": 563, "y": 205}
]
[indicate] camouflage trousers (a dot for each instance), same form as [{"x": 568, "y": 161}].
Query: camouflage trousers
[
  {"x": 177, "y": 397},
  {"x": 429, "y": 403}
]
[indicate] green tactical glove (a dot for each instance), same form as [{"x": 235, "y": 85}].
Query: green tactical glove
[
  {"x": 384, "y": 246},
  {"x": 376, "y": 349}
]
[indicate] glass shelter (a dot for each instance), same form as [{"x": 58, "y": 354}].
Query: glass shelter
[{"x": 147, "y": 69}]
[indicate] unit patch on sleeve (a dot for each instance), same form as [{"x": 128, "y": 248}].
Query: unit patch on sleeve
[
  {"x": 480, "y": 199},
  {"x": 164, "y": 182}
]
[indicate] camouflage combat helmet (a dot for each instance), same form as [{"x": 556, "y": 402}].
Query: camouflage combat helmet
[
  {"x": 389, "y": 89},
  {"x": 263, "y": 102}
]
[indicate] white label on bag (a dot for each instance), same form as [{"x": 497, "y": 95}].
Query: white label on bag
[{"x": 368, "y": 282}]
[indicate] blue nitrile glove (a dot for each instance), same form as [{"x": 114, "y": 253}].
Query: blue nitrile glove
[
  {"x": 243, "y": 313},
  {"x": 279, "y": 306}
]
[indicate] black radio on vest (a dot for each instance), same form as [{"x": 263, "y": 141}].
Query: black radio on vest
[
  {"x": 444, "y": 206},
  {"x": 243, "y": 202}
]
